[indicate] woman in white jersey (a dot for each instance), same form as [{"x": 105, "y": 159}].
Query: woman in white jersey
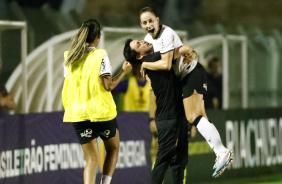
[
  {"x": 193, "y": 78},
  {"x": 88, "y": 102}
]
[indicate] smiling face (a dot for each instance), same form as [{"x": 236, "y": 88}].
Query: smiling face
[
  {"x": 150, "y": 23},
  {"x": 141, "y": 47}
]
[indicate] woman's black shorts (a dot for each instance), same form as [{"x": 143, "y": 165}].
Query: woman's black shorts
[
  {"x": 196, "y": 80},
  {"x": 86, "y": 131}
]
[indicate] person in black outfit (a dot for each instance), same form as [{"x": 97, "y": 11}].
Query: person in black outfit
[
  {"x": 213, "y": 98},
  {"x": 172, "y": 126}
]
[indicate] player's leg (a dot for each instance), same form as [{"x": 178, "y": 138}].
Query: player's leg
[
  {"x": 159, "y": 171},
  {"x": 167, "y": 139},
  {"x": 178, "y": 164},
  {"x": 88, "y": 140},
  {"x": 91, "y": 154},
  {"x": 110, "y": 135},
  {"x": 194, "y": 108},
  {"x": 193, "y": 88},
  {"x": 112, "y": 149},
  {"x": 194, "y": 113}
]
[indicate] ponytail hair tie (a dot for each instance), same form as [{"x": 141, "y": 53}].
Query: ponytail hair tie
[{"x": 85, "y": 24}]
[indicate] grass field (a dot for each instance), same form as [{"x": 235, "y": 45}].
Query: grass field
[{"x": 269, "y": 179}]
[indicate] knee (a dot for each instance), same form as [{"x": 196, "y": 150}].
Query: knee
[
  {"x": 93, "y": 160},
  {"x": 113, "y": 150},
  {"x": 192, "y": 114}
]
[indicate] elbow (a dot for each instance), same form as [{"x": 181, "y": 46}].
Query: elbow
[
  {"x": 189, "y": 49},
  {"x": 166, "y": 66},
  {"x": 186, "y": 49},
  {"x": 108, "y": 87}
]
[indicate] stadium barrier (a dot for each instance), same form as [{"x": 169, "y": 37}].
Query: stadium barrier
[
  {"x": 254, "y": 135},
  {"x": 39, "y": 147}
]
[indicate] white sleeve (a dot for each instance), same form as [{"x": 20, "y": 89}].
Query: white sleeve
[
  {"x": 65, "y": 72},
  {"x": 106, "y": 68},
  {"x": 169, "y": 40},
  {"x": 148, "y": 38}
]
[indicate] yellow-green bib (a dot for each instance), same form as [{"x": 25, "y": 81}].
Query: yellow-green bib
[
  {"x": 137, "y": 98},
  {"x": 83, "y": 95}
]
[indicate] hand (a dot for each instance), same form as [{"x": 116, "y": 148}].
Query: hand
[
  {"x": 188, "y": 58},
  {"x": 148, "y": 79},
  {"x": 7, "y": 101},
  {"x": 126, "y": 67},
  {"x": 142, "y": 70},
  {"x": 153, "y": 127}
]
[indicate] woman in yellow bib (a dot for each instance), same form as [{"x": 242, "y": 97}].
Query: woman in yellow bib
[{"x": 88, "y": 102}]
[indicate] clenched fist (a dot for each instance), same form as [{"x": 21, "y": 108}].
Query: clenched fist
[{"x": 126, "y": 67}]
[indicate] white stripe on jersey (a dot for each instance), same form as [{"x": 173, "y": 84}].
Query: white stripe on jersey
[{"x": 182, "y": 69}]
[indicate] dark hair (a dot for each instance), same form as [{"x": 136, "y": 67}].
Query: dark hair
[
  {"x": 94, "y": 29},
  {"x": 129, "y": 53},
  {"x": 3, "y": 90},
  {"x": 147, "y": 9},
  {"x": 88, "y": 32},
  {"x": 212, "y": 60}
]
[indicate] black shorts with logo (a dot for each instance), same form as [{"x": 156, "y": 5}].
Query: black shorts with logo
[
  {"x": 195, "y": 80},
  {"x": 86, "y": 131}
]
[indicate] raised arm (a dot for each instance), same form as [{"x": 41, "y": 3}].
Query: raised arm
[
  {"x": 110, "y": 83},
  {"x": 166, "y": 61},
  {"x": 182, "y": 51},
  {"x": 187, "y": 52}
]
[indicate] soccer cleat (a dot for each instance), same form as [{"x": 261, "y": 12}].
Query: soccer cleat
[
  {"x": 216, "y": 162},
  {"x": 222, "y": 163}
]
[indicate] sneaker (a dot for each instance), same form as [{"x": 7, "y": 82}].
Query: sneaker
[
  {"x": 222, "y": 163},
  {"x": 216, "y": 162}
]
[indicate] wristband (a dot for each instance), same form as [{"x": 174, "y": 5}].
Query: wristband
[{"x": 151, "y": 119}]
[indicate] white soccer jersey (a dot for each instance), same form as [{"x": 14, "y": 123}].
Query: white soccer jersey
[
  {"x": 181, "y": 70},
  {"x": 166, "y": 41},
  {"x": 106, "y": 68}
]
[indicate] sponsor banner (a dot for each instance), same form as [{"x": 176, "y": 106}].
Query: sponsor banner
[
  {"x": 254, "y": 135},
  {"x": 39, "y": 148}
]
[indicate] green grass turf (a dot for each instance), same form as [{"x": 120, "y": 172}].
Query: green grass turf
[{"x": 264, "y": 179}]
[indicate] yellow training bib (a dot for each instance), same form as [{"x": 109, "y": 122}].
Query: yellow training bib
[
  {"x": 137, "y": 98},
  {"x": 84, "y": 97}
]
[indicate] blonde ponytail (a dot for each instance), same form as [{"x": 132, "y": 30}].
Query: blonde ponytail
[
  {"x": 78, "y": 46},
  {"x": 88, "y": 32}
]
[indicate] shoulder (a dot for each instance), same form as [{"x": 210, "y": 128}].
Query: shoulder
[
  {"x": 148, "y": 38},
  {"x": 98, "y": 53},
  {"x": 167, "y": 30},
  {"x": 66, "y": 54},
  {"x": 152, "y": 57},
  {"x": 103, "y": 51}
]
